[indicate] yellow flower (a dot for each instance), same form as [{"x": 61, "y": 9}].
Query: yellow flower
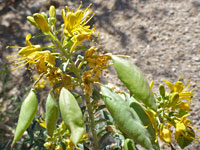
[
  {"x": 25, "y": 51},
  {"x": 165, "y": 134},
  {"x": 42, "y": 121},
  {"x": 46, "y": 59},
  {"x": 184, "y": 106},
  {"x": 33, "y": 54},
  {"x": 41, "y": 84},
  {"x": 69, "y": 144},
  {"x": 183, "y": 127},
  {"x": 75, "y": 22},
  {"x": 180, "y": 89}
]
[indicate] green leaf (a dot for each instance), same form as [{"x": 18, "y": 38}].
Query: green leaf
[
  {"x": 27, "y": 114},
  {"x": 126, "y": 119},
  {"x": 52, "y": 114},
  {"x": 185, "y": 141},
  {"x": 142, "y": 118},
  {"x": 78, "y": 48},
  {"x": 72, "y": 115},
  {"x": 129, "y": 145},
  {"x": 134, "y": 80}
]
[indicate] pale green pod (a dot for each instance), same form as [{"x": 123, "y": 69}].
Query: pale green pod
[
  {"x": 27, "y": 114},
  {"x": 135, "y": 81},
  {"x": 71, "y": 115},
  {"x": 52, "y": 114}
]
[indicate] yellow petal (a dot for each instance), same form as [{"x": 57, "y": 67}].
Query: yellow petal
[
  {"x": 27, "y": 40},
  {"x": 169, "y": 84},
  {"x": 151, "y": 86},
  {"x": 178, "y": 86}
]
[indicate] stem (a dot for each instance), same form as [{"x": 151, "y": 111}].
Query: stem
[
  {"x": 92, "y": 123},
  {"x": 59, "y": 44}
]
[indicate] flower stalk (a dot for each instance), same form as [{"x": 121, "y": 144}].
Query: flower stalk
[{"x": 92, "y": 123}]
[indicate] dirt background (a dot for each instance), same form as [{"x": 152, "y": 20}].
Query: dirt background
[{"x": 160, "y": 36}]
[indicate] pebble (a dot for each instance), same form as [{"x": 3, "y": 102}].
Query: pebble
[{"x": 35, "y": 7}]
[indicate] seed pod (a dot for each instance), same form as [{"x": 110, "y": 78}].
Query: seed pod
[
  {"x": 126, "y": 119},
  {"x": 41, "y": 22},
  {"x": 26, "y": 116},
  {"x": 52, "y": 114},
  {"x": 71, "y": 115},
  {"x": 135, "y": 81}
]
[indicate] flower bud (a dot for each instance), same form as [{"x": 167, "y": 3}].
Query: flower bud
[
  {"x": 32, "y": 21},
  {"x": 52, "y": 12},
  {"x": 41, "y": 22},
  {"x": 162, "y": 90},
  {"x": 173, "y": 98}
]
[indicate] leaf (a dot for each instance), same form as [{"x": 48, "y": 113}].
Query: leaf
[
  {"x": 72, "y": 115},
  {"x": 78, "y": 48},
  {"x": 129, "y": 145},
  {"x": 134, "y": 80},
  {"x": 126, "y": 119},
  {"x": 52, "y": 114},
  {"x": 142, "y": 118},
  {"x": 27, "y": 114}
]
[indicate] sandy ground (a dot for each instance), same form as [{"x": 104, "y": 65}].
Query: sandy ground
[{"x": 160, "y": 36}]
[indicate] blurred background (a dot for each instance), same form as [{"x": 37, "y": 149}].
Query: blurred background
[{"x": 160, "y": 36}]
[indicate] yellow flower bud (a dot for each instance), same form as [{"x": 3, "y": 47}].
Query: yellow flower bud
[
  {"x": 174, "y": 97},
  {"x": 162, "y": 90},
  {"x": 41, "y": 22}
]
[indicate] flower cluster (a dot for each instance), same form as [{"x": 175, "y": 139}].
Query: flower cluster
[
  {"x": 61, "y": 138},
  {"x": 75, "y": 31},
  {"x": 173, "y": 110}
]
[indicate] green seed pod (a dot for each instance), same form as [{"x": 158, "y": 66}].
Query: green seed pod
[
  {"x": 129, "y": 145},
  {"x": 173, "y": 98},
  {"x": 71, "y": 115},
  {"x": 126, "y": 119},
  {"x": 26, "y": 116},
  {"x": 135, "y": 81},
  {"x": 32, "y": 21},
  {"x": 41, "y": 22},
  {"x": 162, "y": 90},
  {"x": 52, "y": 114}
]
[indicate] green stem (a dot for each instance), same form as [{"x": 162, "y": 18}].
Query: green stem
[
  {"x": 92, "y": 123},
  {"x": 59, "y": 44}
]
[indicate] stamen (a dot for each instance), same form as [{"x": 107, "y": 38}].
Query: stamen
[
  {"x": 80, "y": 6},
  {"x": 19, "y": 66}
]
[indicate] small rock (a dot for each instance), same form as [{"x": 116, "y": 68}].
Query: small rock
[{"x": 35, "y": 7}]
